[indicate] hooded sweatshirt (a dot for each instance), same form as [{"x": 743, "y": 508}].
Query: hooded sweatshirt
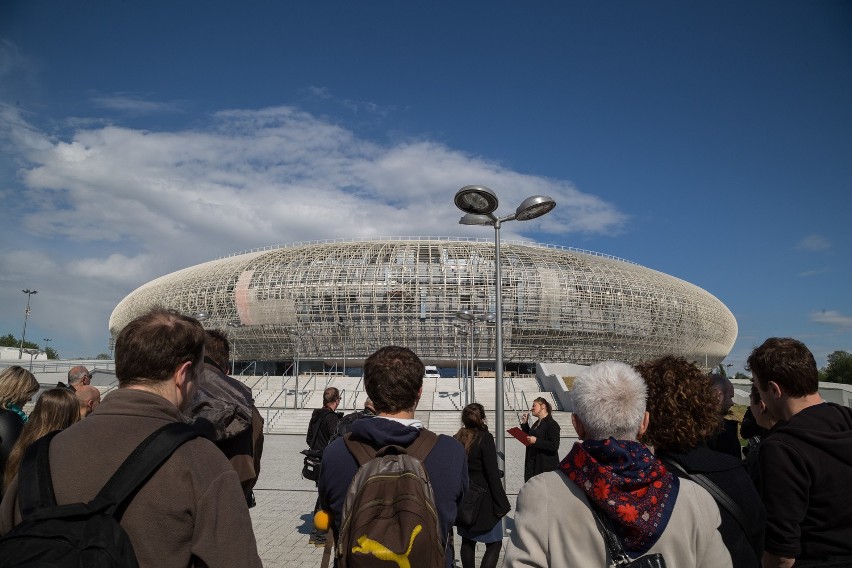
[
  {"x": 806, "y": 468},
  {"x": 446, "y": 466}
]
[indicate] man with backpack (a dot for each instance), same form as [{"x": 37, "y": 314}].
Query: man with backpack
[
  {"x": 190, "y": 512},
  {"x": 404, "y": 483},
  {"x": 321, "y": 430}
]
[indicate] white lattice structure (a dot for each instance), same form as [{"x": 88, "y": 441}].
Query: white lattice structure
[{"x": 317, "y": 300}]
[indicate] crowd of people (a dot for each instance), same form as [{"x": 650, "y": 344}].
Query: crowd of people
[{"x": 658, "y": 472}]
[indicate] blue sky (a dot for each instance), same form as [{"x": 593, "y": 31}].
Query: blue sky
[{"x": 710, "y": 141}]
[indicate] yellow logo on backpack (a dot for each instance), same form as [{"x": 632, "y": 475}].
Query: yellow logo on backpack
[{"x": 380, "y": 551}]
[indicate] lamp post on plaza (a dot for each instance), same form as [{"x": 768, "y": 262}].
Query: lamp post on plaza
[
  {"x": 47, "y": 341},
  {"x": 234, "y": 325},
  {"x": 468, "y": 317},
  {"x": 479, "y": 204},
  {"x": 295, "y": 334},
  {"x": 471, "y": 318},
  {"x": 29, "y": 294},
  {"x": 461, "y": 370},
  {"x": 32, "y": 353},
  {"x": 344, "y": 328}
]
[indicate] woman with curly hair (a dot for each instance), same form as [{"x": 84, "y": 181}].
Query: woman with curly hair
[
  {"x": 684, "y": 414},
  {"x": 55, "y": 409},
  {"x": 483, "y": 473},
  {"x": 17, "y": 387}
]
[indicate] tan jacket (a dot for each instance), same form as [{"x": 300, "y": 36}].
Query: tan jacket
[
  {"x": 191, "y": 512},
  {"x": 555, "y": 527}
]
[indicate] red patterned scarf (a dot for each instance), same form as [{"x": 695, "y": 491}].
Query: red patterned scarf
[{"x": 627, "y": 482}]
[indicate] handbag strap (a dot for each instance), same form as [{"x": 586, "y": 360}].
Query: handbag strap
[
  {"x": 718, "y": 495},
  {"x": 613, "y": 543}
]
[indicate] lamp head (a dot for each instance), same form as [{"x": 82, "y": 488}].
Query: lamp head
[
  {"x": 533, "y": 207},
  {"x": 476, "y": 199},
  {"x": 474, "y": 219},
  {"x": 465, "y": 315}
]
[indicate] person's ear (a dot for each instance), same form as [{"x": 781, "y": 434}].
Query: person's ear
[
  {"x": 643, "y": 427},
  {"x": 578, "y": 426},
  {"x": 183, "y": 374},
  {"x": 774, "y": 389}
]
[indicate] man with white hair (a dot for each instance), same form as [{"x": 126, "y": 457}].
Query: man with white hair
[
  {"x": 651, "y": 510},
  {"x": 78, "y": 376}
]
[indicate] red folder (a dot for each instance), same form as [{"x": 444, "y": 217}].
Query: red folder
[{"x": 519, "y": 434}]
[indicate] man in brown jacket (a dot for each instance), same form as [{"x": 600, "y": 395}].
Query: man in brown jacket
[{"x": 192, "y": 511}]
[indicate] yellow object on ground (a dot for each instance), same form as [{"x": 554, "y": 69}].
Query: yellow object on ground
[{"x": 321, "y": 519}]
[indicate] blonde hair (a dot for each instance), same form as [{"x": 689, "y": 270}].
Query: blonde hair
[
  {"x": 17, "y": 386},
  {"x": 55, "y": 409}
]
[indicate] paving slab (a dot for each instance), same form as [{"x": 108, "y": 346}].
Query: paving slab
[{"x": 282, "y": 518}]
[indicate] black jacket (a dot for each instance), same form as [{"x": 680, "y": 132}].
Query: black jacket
[
  {"x": 806, "y": 466},
  {"x": 727, "y": 440},
  {"x": 543, "y": 455},
  {"x": 482, "y": 471},
  {"x": 728, "y": 473},
  {"x": 322, "y": 427},
  {"x": 10, "y": 428}
]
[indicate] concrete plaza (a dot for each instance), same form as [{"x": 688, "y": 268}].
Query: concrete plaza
[{"x": 285, "y": 501}]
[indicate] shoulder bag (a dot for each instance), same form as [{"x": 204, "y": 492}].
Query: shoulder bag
[
  {"x": 718, "y": 495},
  {"x": 616, "y": 550}
]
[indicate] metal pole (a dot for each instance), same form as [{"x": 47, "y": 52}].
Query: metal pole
[
  {"x": 470, "y": 374},
  {"x": 29, "y": 294},
  {"x": 500, "y": 398}
]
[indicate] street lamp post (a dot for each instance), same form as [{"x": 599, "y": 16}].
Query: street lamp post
[
  {"x": 461, "y": 368},
  {"x": 479, "y": 204},
  {"x": 234, "y": 325},
  {"x": 343, "y": 327},
  {"x": 468, "y": 317},
  {"x": 471, "y": 318},
  {"x": 295, "y": 334},
  {"x": 47, "y": 341},
  {"x": 29, "y": 294}
]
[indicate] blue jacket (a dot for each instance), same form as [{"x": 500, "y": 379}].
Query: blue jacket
[{"x": 446, "y": 466}]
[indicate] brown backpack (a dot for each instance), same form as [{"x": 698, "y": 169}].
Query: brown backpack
[{"x": 389, "y": 514}]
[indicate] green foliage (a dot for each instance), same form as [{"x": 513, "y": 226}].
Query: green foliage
[
  {"x": 742, "y": 376},
  {"x": 51, "y": 353},
  {"x": 10, "y": 340},
  {"x": 839, "y": 368},
  {"x": 102, "y": 356}
]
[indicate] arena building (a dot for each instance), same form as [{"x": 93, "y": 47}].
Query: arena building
[{"x": 330, "y": 304}]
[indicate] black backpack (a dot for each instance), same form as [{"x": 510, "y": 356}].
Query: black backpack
[{"x": 82, "y": 534}]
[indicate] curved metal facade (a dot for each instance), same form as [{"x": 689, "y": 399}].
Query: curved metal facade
[{"x": 331, "y": 299}]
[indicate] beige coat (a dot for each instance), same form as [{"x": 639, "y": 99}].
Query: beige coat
[
  {"x": 191, "y": 512},
  {"x": 555, "y": 527}
]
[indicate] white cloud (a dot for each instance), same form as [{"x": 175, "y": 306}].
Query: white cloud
[
  {"x": 133, "y": 104},
  {"x": 813, "y": 243},
  {"x": 831, "y": 317},
  {"x": 816, "y": 272},
  {"x": 117, "y": 207}
]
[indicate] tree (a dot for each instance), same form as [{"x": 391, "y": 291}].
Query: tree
[
  {"x": 839, "y": 368},
  {"x": 721, "y": 370},
  {"x": 742, "y": 376},
  {"x": 10, "y": 340}
]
